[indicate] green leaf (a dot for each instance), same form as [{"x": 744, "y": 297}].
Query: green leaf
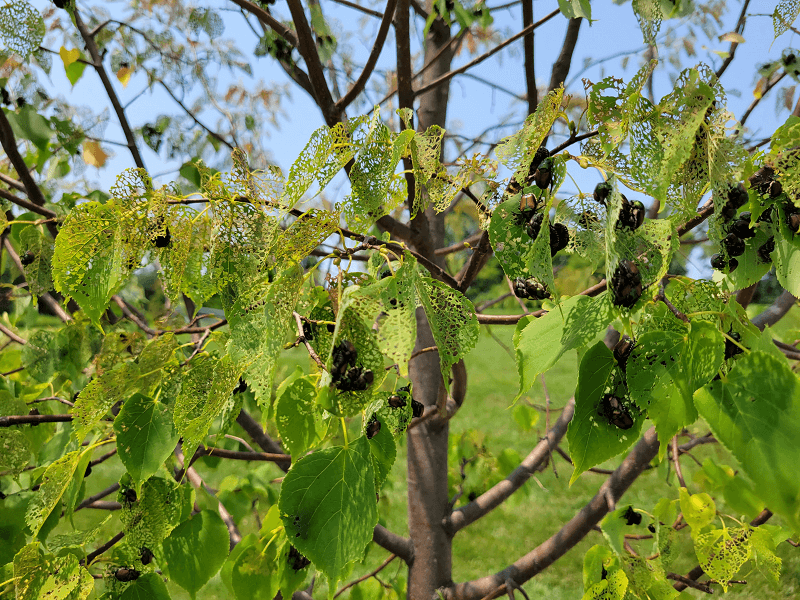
[
  {"x": 195, "y": 550},
  {"x": 146, "y": 436},
  {"x": 205, "y": 389},
  {"x": 86, "y": 265},
  {"x": 383, "y": 451},
  {"x": 293, "y": 573},
  {"x": 755, "y": 413},
  {"x": 226, "y": 572},
  {"x": 114, "y": 385},
  {"x": 592, "y": 438},
  {"x": 258, "y": 321},
  {"x": 39, "y": 575},
  {"x": 525, "y": 416},
  {"x": 328, "y": 507},
  {"x": 149, "y": 586},
  {"x": 787, "y": 256},
  {"x": 666, "y": 368},
  {"x": 574, "y": 9},
  {"x": 16, "y": 450},
  {"x": 298, "y": 417},
  {"x": 767, "y": 562},
  {"x": 161, "y": 505},
  {"x": 30, "y": 125},
  {"x": 541, "y": 344},
  {"x": 453, "y": 322},
  {"x": 614, "y": 526},
  {"x": 518, "y": 150},
  {"x": 595, "y": 560},
  {"x": 388, "y": 306},
  {"x": 40, "y": 248},
  {"x": 54, "y": 483},
  {"x": 256, "y": 573},
  {"x": 699, "y": 510},
  {"x": 350, "y": 326}
]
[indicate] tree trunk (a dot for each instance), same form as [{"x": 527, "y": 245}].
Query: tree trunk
[{"x": 427, "y": 443}]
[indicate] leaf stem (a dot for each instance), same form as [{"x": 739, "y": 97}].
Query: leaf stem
[{"x": 344, "y": 431}]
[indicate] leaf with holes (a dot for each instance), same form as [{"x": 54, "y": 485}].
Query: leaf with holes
[
  {"x": 454, "y": 325},
  {"x": 21, "y": 27},
  {"x": 722, "y": 552},
  {"x": 666, "y": 368},
  {"x": 540, "y": 343},
  {"x": 755, "y": 412},
  {"x": 592, "y": 437}
]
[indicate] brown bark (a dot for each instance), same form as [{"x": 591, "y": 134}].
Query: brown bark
[{"x": 427, "y": 444}]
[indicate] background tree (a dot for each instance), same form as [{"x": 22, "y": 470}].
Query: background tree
[{"x": 154, "y": 318}]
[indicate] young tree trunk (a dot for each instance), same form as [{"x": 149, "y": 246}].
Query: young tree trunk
[{"x": 427, "y": 443}]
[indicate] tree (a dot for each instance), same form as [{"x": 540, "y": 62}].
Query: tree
[{"x": 146, "y": 322}]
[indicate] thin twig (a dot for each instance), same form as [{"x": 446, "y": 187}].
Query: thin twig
[
  {"x": 302, "y": 339},
  {"x": 92, "y": 555},
  {"x": 450, "y": 74},
  {"x": 677, "y": 462},
  {"x": 383, "y": 565}
]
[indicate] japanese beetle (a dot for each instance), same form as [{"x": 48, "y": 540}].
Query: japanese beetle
[{"x": 612, "y": 409}]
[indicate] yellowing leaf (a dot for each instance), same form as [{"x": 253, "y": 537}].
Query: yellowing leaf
[
  {"x": 732, "y": 36},
  {"x": 93, "y": 154},
  {"x": 69, "y": 56},
  {"x": 124, "y": 75},
  {"x": 72, "y": 67},
  {"x": 760, "y": 87}
]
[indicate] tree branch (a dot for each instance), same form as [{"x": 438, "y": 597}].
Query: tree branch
[
  {"x": 449, "y": 75},
  {"x": 267, "y": 18},
  {"x": 185, "y": 108},
  {"x": 13, "y": 336},
  {"x": 51, "y": 302},
  {"x": 308, "y": 50},
  {"x": 197, "y": 482},
  {"x": 262, "y": 440},
  {"x": 92, "y": 555},
  {"x": 564, "y": 60},
  {"x": 382, "y": 566},
  {"x": 570, "y": 534},
  {"x": 302, "y": 337},
  {"x": 500, "y": 492},
  {"x": 98, "y": 496},
  {"x": 394, "y": 543},
  {"x": 237, "y": 455},
  {"x": 734, "y": 45},
  {"x": 97, "y": 63},
  {"x": 465, "y": 244},
  {"x": 775, "y": 312},
  {"x": 11, "y": 420},
  {"x": 530, "y": 70},
  {"x": 754, "y": 103},
  {"x": 45, "y": 212},
  {"x": 476, "y": 262},
  {"x": 366, "y": 72}
]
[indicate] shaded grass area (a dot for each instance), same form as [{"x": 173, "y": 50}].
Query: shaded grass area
[{"x": 532, "y": 515}]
